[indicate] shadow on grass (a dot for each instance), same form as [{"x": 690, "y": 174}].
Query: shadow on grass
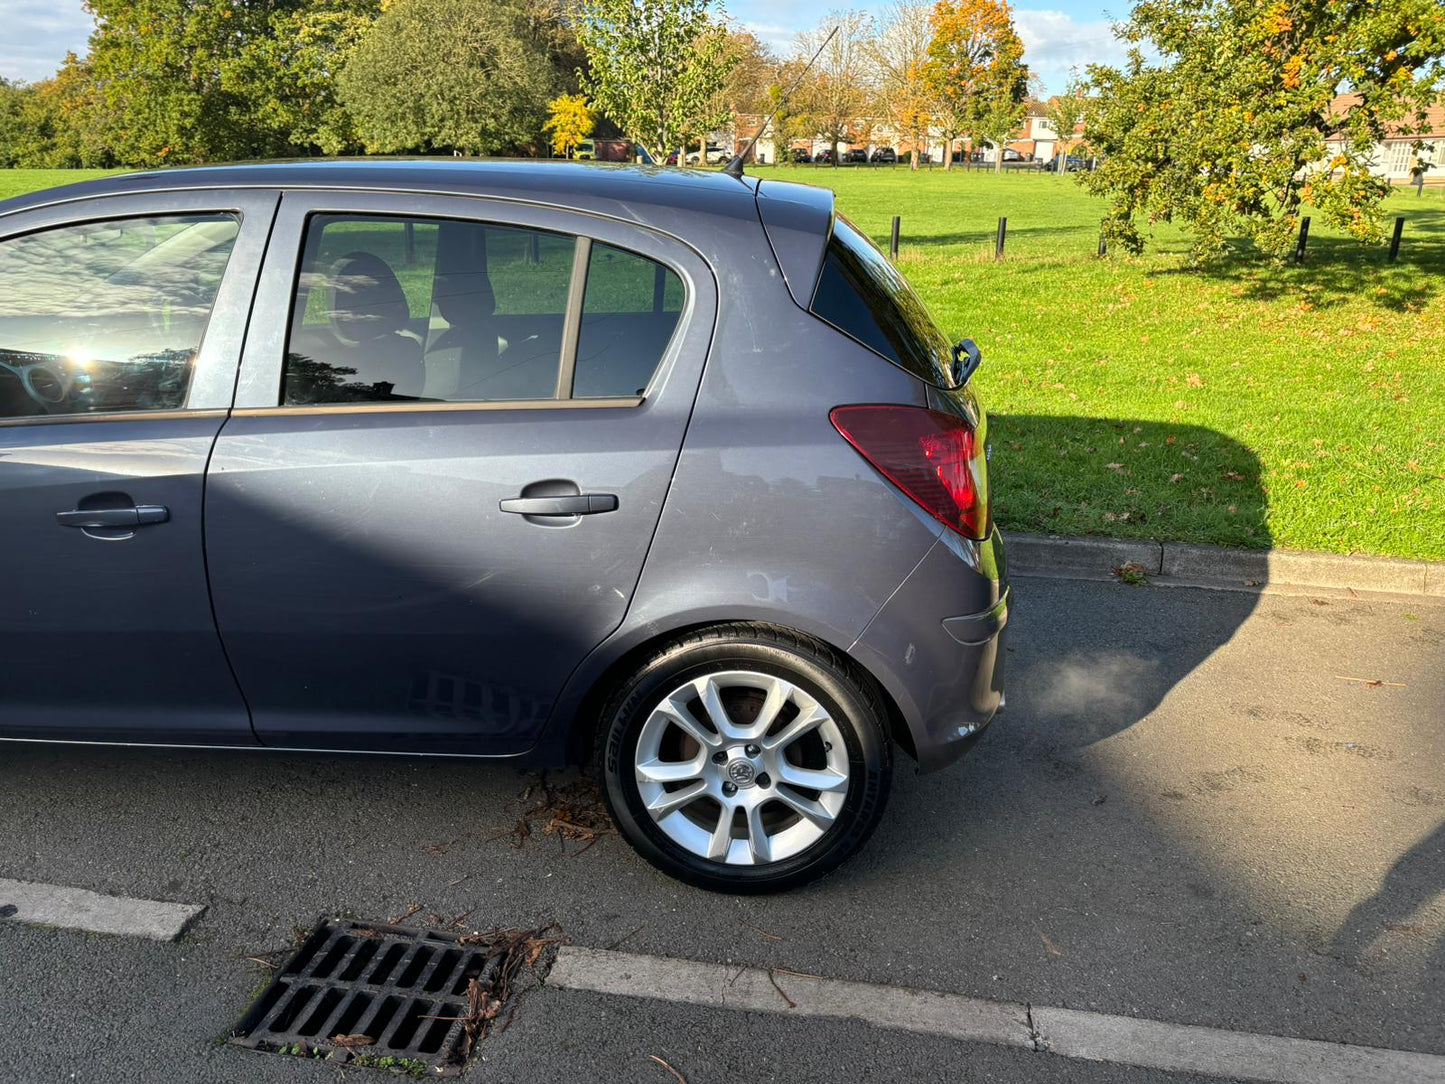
[
  {"x": 1337, "y": 270},
  {"x": 1126, "y": 478}
]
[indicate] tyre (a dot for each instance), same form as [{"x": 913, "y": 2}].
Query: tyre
[{"x": 745, "y": 759}]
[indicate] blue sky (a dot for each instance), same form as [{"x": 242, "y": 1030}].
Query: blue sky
[{"x": 1058, "y": 34}]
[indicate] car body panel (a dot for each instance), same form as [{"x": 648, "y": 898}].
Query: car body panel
[
  {"x": 108, "y": 634},
  {"x": 399, "y": 606}
]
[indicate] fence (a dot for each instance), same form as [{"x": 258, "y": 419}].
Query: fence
[{"x": 1001, "y": 238}]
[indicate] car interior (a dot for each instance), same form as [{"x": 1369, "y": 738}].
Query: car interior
[{"x": 415, "y": 309}]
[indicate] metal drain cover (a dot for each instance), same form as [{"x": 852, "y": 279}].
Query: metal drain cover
[{"x": 374, "y": 992}]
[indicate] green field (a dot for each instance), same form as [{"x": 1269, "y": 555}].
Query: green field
[{"x": 1246, "y": 404}]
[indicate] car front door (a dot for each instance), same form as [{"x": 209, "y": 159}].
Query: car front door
[
  {"x": 121, "y": 321},
  {"x": 451, "y": 446}
]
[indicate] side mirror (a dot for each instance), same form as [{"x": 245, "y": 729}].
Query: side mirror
[{"x": 966, "y": 359}]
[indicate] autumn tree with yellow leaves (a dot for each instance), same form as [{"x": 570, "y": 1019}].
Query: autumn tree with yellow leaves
[
  {"x": 976, "y": 71},
  {"x": 570, "y": 120},
  {"x": 1257, "y": 109}
]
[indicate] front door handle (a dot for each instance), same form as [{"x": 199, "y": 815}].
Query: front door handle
[
  {"x": 576, "y": 504},
  {"x": 138, "y": 516}
]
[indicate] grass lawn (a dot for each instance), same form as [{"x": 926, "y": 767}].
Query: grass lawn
[{"x": 1244, "y": 404}]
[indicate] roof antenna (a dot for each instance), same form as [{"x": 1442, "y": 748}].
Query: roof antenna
[{"x": 734, "y": 168}]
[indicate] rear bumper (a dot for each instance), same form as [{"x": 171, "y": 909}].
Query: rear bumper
[{"x": 937, "y": 646}]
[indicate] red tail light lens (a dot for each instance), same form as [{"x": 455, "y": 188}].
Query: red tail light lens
[{"x": 933, "y": 457}]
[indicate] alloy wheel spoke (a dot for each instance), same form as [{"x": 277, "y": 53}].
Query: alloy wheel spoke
[
  {"x": 773, "y": 701},
  {"x": 759, "y": 844},
  {"x": 681, "y": 718},
  {"x": 810, "y": 779},
  {"x": 670, "y": 771},
  {"x": 805, "y": 722},
  {"x": 807, "y": 808},
  {"x": 670, "y": 801},
  {"x": 721, "y": 840},
  {"x": 711, "y": 697}
]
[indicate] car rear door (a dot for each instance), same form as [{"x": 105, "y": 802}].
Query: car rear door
[
  {"x": 121, "y": 321},
  {"x": 450, "y": 448}
]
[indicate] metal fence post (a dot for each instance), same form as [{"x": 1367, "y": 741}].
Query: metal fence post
[
  {"x": 893, "y": 244},
  {"x": 1103, "y": 245},
  {"x": 998, "y": 245},
  {"x": 1304, "y": 235},
  {"x": 1395, "y": 240}
]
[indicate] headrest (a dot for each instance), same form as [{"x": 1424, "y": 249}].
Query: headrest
[
  {"x": 462, "y": 290},
  {"x": 367, "y": 300}
]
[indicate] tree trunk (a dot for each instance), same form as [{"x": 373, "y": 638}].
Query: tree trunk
[
  {"x": 913, "y": 154},
  {"x": 948, "y": 153}
]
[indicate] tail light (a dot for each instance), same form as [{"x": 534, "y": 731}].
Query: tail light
[{"x": 933, "y": 457}]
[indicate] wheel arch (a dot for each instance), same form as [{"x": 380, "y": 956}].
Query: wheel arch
[{"x": 578, "y": 732}]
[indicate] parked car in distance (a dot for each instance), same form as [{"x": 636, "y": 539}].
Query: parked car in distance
[
  {"x": 714, "y": 155},
  {"x": 1072, "y": 164},
  {"x": 825, "y": 155},
  {"x": 801, "y": 154},
  {"x": 1011, "y": 155},
  {"x": 857, "y": 154},
  {"x": 515, "y": 460},
  {"x": 886, "y": 155}
]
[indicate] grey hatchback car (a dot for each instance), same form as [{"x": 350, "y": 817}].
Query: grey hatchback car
[{"x": 669, "y": 471}]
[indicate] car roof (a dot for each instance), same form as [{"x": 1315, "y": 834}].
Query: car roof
[{"x": 588, "y": 186}]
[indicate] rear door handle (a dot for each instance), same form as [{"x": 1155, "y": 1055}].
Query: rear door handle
[
  {"x": 138, "y": 516},
  {"x": 577, "y": 504}
]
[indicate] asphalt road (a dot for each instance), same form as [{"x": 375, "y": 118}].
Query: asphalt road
[{"x": 1187, "y": 813}]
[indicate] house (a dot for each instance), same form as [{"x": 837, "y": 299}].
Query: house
[
  {"x": 1038, "y": 138},
  {"x": 1395, "y": 157}
]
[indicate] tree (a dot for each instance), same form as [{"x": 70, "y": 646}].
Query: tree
[
  {"x": 289, "y": 73},
  {"x": 191, "y": 81},
  {"x": 1242, "y": 121},
  {"x": 900, "y": 53},
  {"x": 570, "y": 120},
  {"x": 838, "y": 94},
  {"x": 1064, "y": 112},
  {"x": 449, "y": 75},
  {"x": 975, "y": 67},
  {"x": 998, "y": 111},
  {"x": 656, "y": 68}
]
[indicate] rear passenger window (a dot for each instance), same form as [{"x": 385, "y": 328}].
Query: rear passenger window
[
  {"x": 403, "y": 309},
  {"x": 108, "y": 316},
  {"x": 629, "y": 312}
]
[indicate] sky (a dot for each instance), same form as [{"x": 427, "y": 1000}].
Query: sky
[{"x": 1065, "y": 34}]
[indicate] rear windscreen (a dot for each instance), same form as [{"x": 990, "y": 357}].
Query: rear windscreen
[{"x": 864, "y": 296}]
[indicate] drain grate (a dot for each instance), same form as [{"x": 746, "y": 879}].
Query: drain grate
[{"x": 376, "y": 992}]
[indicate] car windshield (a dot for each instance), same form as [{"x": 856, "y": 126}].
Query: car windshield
[{"x": 864, "y": 296}]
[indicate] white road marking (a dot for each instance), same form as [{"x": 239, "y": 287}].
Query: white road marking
[
  {"x": 1067, "y": 1032},
  {"x": 78, "y": 909}
]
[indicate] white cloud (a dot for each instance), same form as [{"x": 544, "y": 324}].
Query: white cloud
[
  {"x": 1054, "y": 43},
  {"x": 38, "y": 34},
  {"x": 780, "y": 39}
]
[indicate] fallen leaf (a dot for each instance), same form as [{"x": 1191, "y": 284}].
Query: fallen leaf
[
  {"x": 1233, "y": 476},
  {"x": 1052, "y": 948}
]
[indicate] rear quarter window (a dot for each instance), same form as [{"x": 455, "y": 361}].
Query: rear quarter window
[{"x": 864, "y": 296}]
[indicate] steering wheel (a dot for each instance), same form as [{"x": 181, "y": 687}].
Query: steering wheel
[{"x": 43, "y": 380}]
